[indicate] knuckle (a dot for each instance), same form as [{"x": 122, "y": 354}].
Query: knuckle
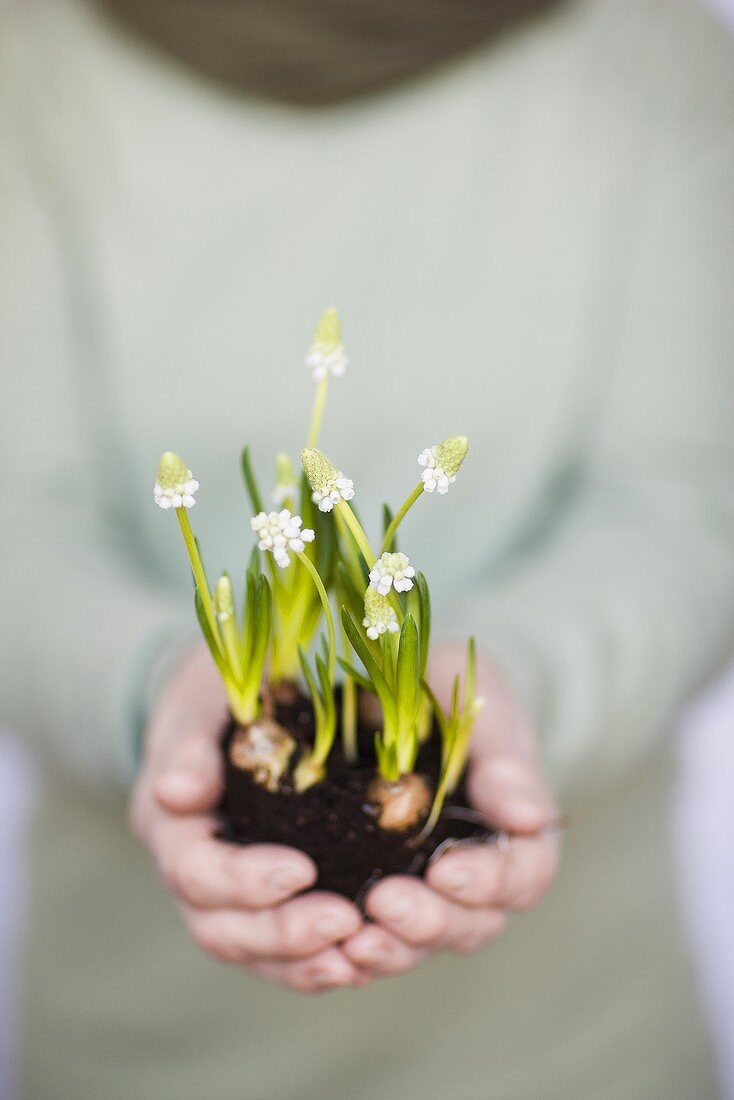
[
  {"x": 533, "y": 881},
  {"x": 136, "y": 814},
  {"x": 209, "y": 936},
  {"x": 186, "y": 875},
  {"x": 467, "y": 944},
  {"x": 429, "y": 928},
  {"x": 291, "y": 934}
]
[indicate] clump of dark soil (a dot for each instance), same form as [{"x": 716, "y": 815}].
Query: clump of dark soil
[{"x": 333, "y": 821}]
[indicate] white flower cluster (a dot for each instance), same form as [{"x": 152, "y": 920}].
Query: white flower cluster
[
  {"x": 326, "y": 359},
  {"x": 434, "y": 477},
  {"x": 174, "y": 486},
  {"x": 442, "y": 463},
  {"x": 282, "y": 493},
  {"x": 379, "y": 617},
  {"x": 392, "y": 571},
  {"x": 335, "y": 489},
  {"x": 280, "y": 532}
]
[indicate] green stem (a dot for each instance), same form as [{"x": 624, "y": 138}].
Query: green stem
[
  {"x": 349, "y": 710},
  {"x": 197, "y": 568},
  {"x": 350, "y": 550},
  {"x": 318, "y": 411},
  {"x": 400, "y": 516},
  {"x": 366, "y": 550},
  {"x": 357, "y": 533},
  {"x": 323, "y": 596}
]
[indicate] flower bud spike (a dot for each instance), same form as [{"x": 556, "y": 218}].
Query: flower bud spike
[
  {"x": 328, "y": 484},
  {"x": 224, "y": 607},
  {"x": 174, "y": 483},
  {"x": 175, "y": 488},
  {"x": 326, "y": 354},
  {"x": 286, "y": 485},
  {"x": 442, "y": 462},
  {"x": 326, "y": 359},
  {"x": 379, "y": 617},
  {"x": 224, "y": 598}
]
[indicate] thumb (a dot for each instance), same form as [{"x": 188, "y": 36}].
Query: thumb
[
  {"x": 188, "y": 776},
  {"x": 509, "y": 791}
]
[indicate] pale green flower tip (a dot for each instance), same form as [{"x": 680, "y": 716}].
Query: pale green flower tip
[
  {"x": 328, "y": 331},
  {"x": 224, "y": 597},
  {"x": 286, "y": 483},
  {"x": 284, "y": 473},
  {"x": 317, "y": 468},
  {"x": 451, "y": 453},
  {"x": 171, "y": 471}
]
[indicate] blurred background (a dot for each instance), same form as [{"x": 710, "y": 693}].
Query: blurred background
[{"x": 702, "y": 824}]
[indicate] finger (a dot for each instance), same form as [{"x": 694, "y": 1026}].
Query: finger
[
  {"x": 512, "y": 875},
  {"x": 425, "y": 919},
  {"x": 376, "y": 950},
  {"x": 296, "y": 929},
  {"x": 188, "y": 774},
  {"x": 510, "y": 792},
  {"x": 329, "y": 969},
  {"x": 207, "y": 873}
]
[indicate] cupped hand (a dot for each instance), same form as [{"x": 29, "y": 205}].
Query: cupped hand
[
  {"x": 238, "y": 902},
  {"x": 468, "y": 893}
]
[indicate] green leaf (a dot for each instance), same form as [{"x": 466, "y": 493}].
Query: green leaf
[
  {"x": 387, "y": 759},
  {"x": 437, "y": 710},
  {"x": 424, "y": 600},
  {"x": 261, "y": 628},
  {"x": 307, "y": 508},
  {"x": 211, "y": 641},
  {"x": 250, "y": 482},
  {"x": 327, "y": 692},
  {"x": 471, "y": 672},
  {"x": 362, "y": 650},
  {"x": 408, "y": 672},
  {"x": 379, "y": 683},
  {"x": 358, "y": 678},
  {"x": 309, "y": 677}
]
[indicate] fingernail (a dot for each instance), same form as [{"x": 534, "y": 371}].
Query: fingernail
[
  {"x": 289, "y": 878},
  {"x": 527, "y": 811},
  {"x": 378, "y": 953},
  {"x": 397, "y": 909},
  {"x": 323, "y": 978},
  {"x": 332, "y": 926},
  {"x": 452, "y": 879},
  {"x": 179, "y": 783}
]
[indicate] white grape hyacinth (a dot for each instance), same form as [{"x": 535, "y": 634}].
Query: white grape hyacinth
[
  {"x": 335, "y": 489},
  {"x": 379, "y": 617},
  {"x": 392, "y": 571},
  {"x": 326, "y": 354},
  {"x": 280, "y": 532},
  {"x": 174, "y": 485},
  {"x": 282, "y": 493},
  {"x": 441, "y": 463}
]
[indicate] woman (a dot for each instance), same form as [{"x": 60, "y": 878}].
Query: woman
[{"x": 531, "y": 245}]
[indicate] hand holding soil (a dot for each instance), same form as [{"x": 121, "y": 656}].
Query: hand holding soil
[
  {"x": 469, "y": 891},
  {"x": 238, "y": 903}
]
